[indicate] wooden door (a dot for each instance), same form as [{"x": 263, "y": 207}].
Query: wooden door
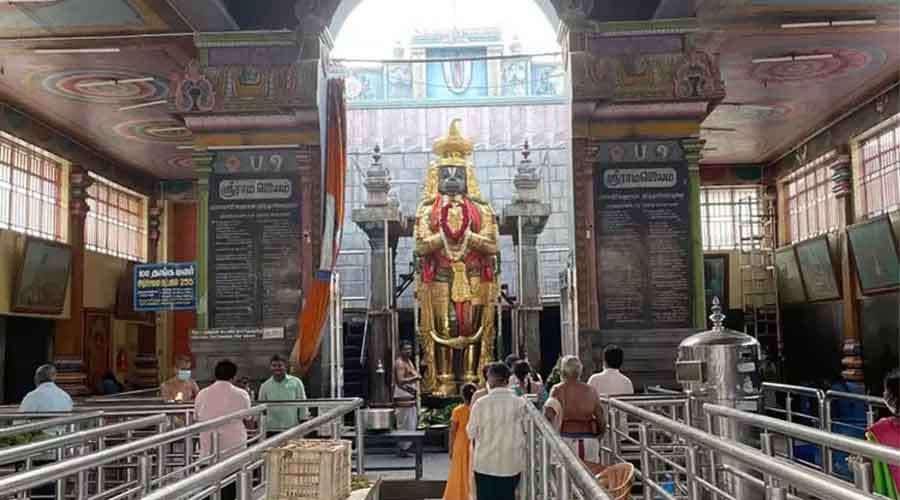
[{"x": 97, "y": 346}]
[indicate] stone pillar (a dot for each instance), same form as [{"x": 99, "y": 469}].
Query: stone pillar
[
  {"x": 525, "y": 219},
  {"x": 68, "y": 343},
  {"x": 146, "y": 361},
  {"x": 640, "y": 93},
  {"x": 382, "y": 222},
  {"x": 203, "y": 168},
  {"x": 852, "y": 361},
  {"x": 692, "y": 148}
]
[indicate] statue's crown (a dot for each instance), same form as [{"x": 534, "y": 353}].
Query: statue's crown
[{"x": 453, "y": 146}]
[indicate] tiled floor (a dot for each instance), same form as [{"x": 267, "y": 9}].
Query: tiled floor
[{"x": 435, "y": 466}]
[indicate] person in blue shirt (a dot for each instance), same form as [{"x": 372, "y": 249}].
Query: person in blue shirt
[{"x": 47, "y": 396}]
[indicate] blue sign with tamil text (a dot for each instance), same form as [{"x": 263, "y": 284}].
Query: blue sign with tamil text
[{"x": 165, "y": 287}]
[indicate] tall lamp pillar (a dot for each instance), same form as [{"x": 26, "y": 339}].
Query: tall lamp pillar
[
  {"x": 524, "y": 219},
  {"x": 68, "y": 345},
  {"x": 382, "y": 222}
]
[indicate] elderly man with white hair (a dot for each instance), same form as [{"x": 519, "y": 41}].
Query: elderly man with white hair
[
  {"x": 581, "y": 422},
  {"x": 47, "y": 396}
]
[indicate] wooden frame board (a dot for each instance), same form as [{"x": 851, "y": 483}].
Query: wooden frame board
[
  {"x": 818, "y": 269},
  {"x": 790, "y": 282},
  {"x": 43, "y": 278},
  {"x": 722, "y": 282},
  {"x": 875, "y": 256}
]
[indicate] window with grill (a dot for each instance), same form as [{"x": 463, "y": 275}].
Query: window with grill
[
  {"x": 31, "y": 182},
  {"x": 879, "y": 179},
  {"x": 116, "y": 223},
  {"x": 812, "y": 208},
  {"x": 729, "y": 216}
]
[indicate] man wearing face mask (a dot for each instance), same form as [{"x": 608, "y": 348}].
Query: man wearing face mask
[{"x": 181, "y": 387}]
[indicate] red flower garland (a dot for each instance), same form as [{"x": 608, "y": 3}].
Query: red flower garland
[{"x": 445, "y": 226}]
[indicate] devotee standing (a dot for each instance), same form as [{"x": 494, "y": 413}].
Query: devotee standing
[
  {"x": 47, "y": 396},
  {"x": 525, "y": 383},
  {"x": 887, "y": 432},
  {"x": 406, "y": 389},
  {"x": 181, "y": 387},
  {"x": 282, "y": 387},
  {"x": 610, "y": 381},
  {"x": 484, "y": 389},
  {"x": 459, "y": 479},
  {"x": 497, "y": 426},
  {"x": 582, "y": 417}
]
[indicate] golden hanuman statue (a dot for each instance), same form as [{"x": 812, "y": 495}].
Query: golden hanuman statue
[{"x": 457, "y": 254}]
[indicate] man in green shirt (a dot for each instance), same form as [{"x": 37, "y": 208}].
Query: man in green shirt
[{"x": 282, "y": 387}]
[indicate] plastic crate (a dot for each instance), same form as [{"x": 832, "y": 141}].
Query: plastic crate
[{"x": 309, "y": 469}]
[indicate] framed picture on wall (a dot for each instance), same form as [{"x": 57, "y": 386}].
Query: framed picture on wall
[
  {"x": 874, "y": 251},
  {"x": 817, "y": 267},
  {"x": 790, "y": 281},
  {"x": 715, "y": 276},
  {"x": 43, "y": 279},
  {"x": 97, "y": 344}
]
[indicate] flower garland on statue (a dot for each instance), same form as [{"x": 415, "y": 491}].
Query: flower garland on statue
[{"x": 447, "y": 233}]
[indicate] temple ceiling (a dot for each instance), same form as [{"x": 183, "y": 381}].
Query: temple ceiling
[{"x": 769, "y": 106}]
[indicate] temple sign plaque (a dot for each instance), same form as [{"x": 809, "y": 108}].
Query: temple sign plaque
[{"x": 457, "y": 254}]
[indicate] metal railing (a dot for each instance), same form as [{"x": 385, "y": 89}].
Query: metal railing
[
  {"x": 145, "y": 462},
  {"x": 859, "y": 448},
  {"x": 552, "y": 470},
  {"x": 45, "y": 422},
  {"x": 697, "y": 464},
  {"x": 239, "y": 469}
]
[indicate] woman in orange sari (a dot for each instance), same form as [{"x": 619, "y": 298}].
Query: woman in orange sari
[{"x": 459, "y": 480}]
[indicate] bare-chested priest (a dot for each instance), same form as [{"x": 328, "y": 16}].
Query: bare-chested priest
[{"x": 583, "y": 422}]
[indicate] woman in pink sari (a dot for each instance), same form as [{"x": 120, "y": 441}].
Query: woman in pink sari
[{"x": 887, "y": 432}]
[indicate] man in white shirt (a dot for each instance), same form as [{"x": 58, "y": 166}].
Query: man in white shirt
[
  {"x": 47, "y": 396},
  {"x": 497, "y": 426},
  {"x": 611, "y": 382}
]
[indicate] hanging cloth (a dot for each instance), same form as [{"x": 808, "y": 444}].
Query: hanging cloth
[{"x": 315, "y": 309}]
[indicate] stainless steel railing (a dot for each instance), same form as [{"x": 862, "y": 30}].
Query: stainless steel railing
[
  {"x": 239, "y": 469},
  {"x": 552, "y": 470},
  {"x": 136, "y": 458},
  {"x": 862, "y": 451},
  {"x": 61, "y": 421},
  {"x": 698, "y": 464}
]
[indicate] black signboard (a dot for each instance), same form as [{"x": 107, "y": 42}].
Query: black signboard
[
  {"x": 875, "y": 254},
  {"x": 254, "y": 240},
  {"x": 819, "y": 275},
  {"x": 643, "y": 237}
]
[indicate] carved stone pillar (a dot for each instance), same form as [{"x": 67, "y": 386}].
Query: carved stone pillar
[
  {"x": 525, "y": 219},
  {"x": 382, "y": 222},
  {"x": 146, "y": 361},
  {"x": 203, "y": 167},
  {"x": 68, "y": 343}
]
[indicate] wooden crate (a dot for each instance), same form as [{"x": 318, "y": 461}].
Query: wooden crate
[{"x": 309, "y": 469}]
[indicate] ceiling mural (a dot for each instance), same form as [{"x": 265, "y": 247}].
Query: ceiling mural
[
  {"x": 781, "y": 86},
  {"x": 102, "y": 86},
  {"x": 171, "y": 131},
  {"x": 111, "y": 100}
]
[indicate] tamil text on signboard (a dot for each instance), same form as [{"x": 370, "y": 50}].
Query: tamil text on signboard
[{"x": 160, "y": 287}]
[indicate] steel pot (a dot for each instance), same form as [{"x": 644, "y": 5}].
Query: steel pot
[{"x": 378, "y": 419}]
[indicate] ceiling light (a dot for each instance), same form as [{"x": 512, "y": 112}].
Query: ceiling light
[
  {"x": 858, "y": 22},
  {"x": 101, "y": 50},
  {"x": 166, "y": 129},
  {"x": 142, "y": 105},
  {"x": 792, "y": 58},
  {"x": 826, "y": 24},
  {"x": 105, "y": 83}
]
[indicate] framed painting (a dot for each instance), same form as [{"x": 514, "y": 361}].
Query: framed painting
[
  {"x": 874, "y": 250},
  {"x": 43, "y": 279},
  {"x": 818, "y": 270},
  {"x": 97, "y": 344},
  {"x": 790, "y": 281}
]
